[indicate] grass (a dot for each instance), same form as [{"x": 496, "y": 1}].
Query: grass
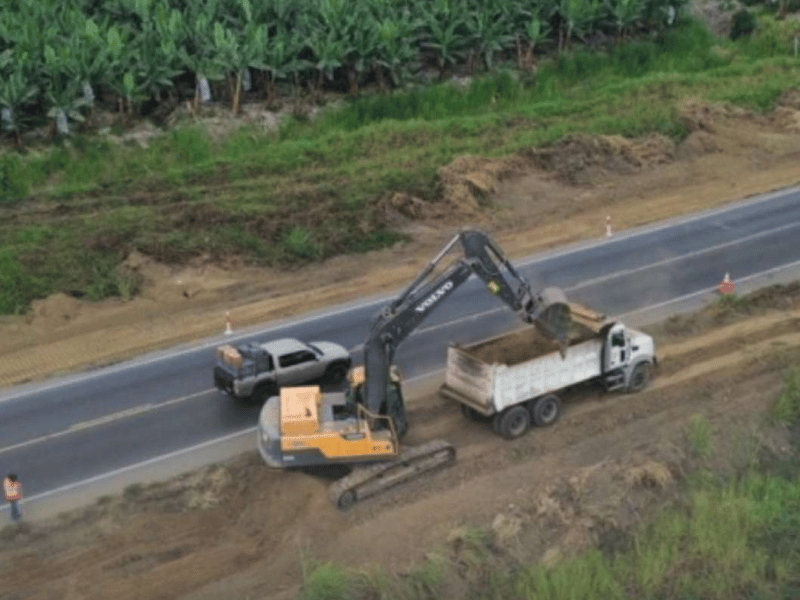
[{"x": 310, "y": 191}]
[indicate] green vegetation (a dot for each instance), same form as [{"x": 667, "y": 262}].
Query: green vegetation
[
  {"x": 313, "y": 190},
  {"x": 730, "y": 537}
]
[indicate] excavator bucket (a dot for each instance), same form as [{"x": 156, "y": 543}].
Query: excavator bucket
[{"x": 552, "y": 316}]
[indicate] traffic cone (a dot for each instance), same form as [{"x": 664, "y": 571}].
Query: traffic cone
[
  {"x": 228, "y": 328},
  {"x": 727, "y": 286},
  {"x": 608, "y": 226}
]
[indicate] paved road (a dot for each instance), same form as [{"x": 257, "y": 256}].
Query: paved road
[{"x": 68, "y": 430}]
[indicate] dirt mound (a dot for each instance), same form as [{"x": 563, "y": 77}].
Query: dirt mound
[
  {"x": 467, "y": 182},
  {"x": 53, "y": 312},
  {"x": 580, "y": 158}
]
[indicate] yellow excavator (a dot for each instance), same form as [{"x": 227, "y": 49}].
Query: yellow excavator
[{"x": 304, "y": 427}]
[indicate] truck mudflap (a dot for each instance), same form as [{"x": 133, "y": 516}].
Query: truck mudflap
[
  {"x": 445, "y": 391},
  {"x": 365, "y": 482}
]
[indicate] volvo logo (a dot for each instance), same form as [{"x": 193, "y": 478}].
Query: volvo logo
[{"x": 431, "y": 300}]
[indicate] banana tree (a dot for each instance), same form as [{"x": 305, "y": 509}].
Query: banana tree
[
  {"x": 329, "y": 52},
  {"x": 576, "y": 16},
  {"x": 281, "y": 59},
  {"x": 489, "y": 24},
  {"x": 535, "y": 33},
  {"x": 236, "y": 51},
  {"x": 16, "y": 92},
  {"x": 444, "y": 25},
  {"x": 196, "y": 55},
  {"x": 364, "y": 42},
  {"x": 395, "y": 50},
  {"x": 625, "y": 14}
]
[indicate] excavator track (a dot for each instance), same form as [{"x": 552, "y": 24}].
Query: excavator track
[{"x": 364, "y": 482}]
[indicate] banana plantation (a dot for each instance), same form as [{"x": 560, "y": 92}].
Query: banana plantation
[{"x": 61, "y": 58}]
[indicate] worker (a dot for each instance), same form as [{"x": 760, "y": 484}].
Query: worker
[{"x": 13, "y": 489}]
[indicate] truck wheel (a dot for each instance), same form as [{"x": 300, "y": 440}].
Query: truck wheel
[
  {"x": 336, "y": 374},
  {"x": 513, "y": 422},
  {"x": 546, "y": 410},
  {"x": 469, "y": 413},
  {"x": 639, "y": 378}
]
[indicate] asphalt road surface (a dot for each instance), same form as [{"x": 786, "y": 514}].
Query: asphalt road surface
[{"x": 72, "y": 429}]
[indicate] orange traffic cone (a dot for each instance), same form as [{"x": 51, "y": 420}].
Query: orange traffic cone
[
  {"x": 228, "y": 328},
  {"x": 727, "y": 286}
]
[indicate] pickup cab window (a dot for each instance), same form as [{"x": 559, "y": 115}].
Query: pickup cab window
[{"x": 296, "y": 358}]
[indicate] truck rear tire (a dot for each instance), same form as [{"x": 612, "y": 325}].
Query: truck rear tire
[
  {"x": 513, "y": 422},
  {"x": 640, "y": 377},
  {"x": 546, "y": 410}
]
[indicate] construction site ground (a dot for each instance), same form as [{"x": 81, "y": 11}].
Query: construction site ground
[
  {"x": 240, "y": 530},
  {"x": 535, "y": 200}
]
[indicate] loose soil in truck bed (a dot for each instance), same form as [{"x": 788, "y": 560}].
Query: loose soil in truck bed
[
  {"x": 521, "y": 345},
  {"x": 239, "y": 530}
]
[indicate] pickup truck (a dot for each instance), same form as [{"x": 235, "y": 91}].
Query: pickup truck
[
  {"x": 513, "y": 378},
  {"x": 256, "y": 371}
]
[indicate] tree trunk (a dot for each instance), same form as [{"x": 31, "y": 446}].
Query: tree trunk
[
  {"x": 560, "y": 40},
  {"x": 237, "y": 93},
  {"x": 352, "y": 76}
]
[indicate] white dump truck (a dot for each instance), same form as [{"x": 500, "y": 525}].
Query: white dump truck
[{"x": 515, "y": 378}]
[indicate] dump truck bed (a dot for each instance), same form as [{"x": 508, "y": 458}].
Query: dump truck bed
[{"x": 511, "y": 368}]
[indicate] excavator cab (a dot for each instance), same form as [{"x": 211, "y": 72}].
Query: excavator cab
[{"x": 392, "y": 406}]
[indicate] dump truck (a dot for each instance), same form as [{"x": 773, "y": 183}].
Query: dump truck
[{"x": 515, "y": 378}]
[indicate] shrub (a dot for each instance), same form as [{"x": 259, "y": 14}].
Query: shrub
[{"x": 743, "y": 24}]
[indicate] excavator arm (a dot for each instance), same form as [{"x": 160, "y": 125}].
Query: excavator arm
[{"x": 548, "y": 309}]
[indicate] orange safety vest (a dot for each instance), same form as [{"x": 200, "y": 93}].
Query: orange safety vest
[{"x": 13, "y": 489}]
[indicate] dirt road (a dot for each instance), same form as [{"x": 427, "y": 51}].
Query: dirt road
[
  {"x": 532, "y": 201},
  {"x": 240, "y": 530}
]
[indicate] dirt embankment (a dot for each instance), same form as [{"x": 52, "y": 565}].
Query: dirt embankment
[
  {"x": 240, "y": 529},
  {"x": 536, "y": 199}
]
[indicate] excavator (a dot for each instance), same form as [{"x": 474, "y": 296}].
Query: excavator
[{"x": 305, "y": 427}]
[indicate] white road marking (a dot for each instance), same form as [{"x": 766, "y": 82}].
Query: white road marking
[
  {"x": 378, "y": 300},
  {"x": 123, "y": 414}
]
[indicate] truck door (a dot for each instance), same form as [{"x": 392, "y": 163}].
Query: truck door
[
  {"x": 617, "y": 351},
  {"x": 297, "y": 367}
]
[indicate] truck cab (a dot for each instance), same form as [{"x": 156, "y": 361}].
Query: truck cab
[{"x": 626, "y": 351}]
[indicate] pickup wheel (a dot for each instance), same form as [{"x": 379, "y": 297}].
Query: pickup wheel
[
  {"x": 513, "y": 422},
  {"x": 262, "y": 393},
  {"x": 546, "y": 410},
  {"x": 639, "y": 378},
  {"x": 336, "y": 373}
]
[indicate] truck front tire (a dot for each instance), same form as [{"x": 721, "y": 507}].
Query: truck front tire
[
  {"x": 512, "y": 422},
  {"x": 546, "y": 410},
  {"x": 640, "y": 377}
]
